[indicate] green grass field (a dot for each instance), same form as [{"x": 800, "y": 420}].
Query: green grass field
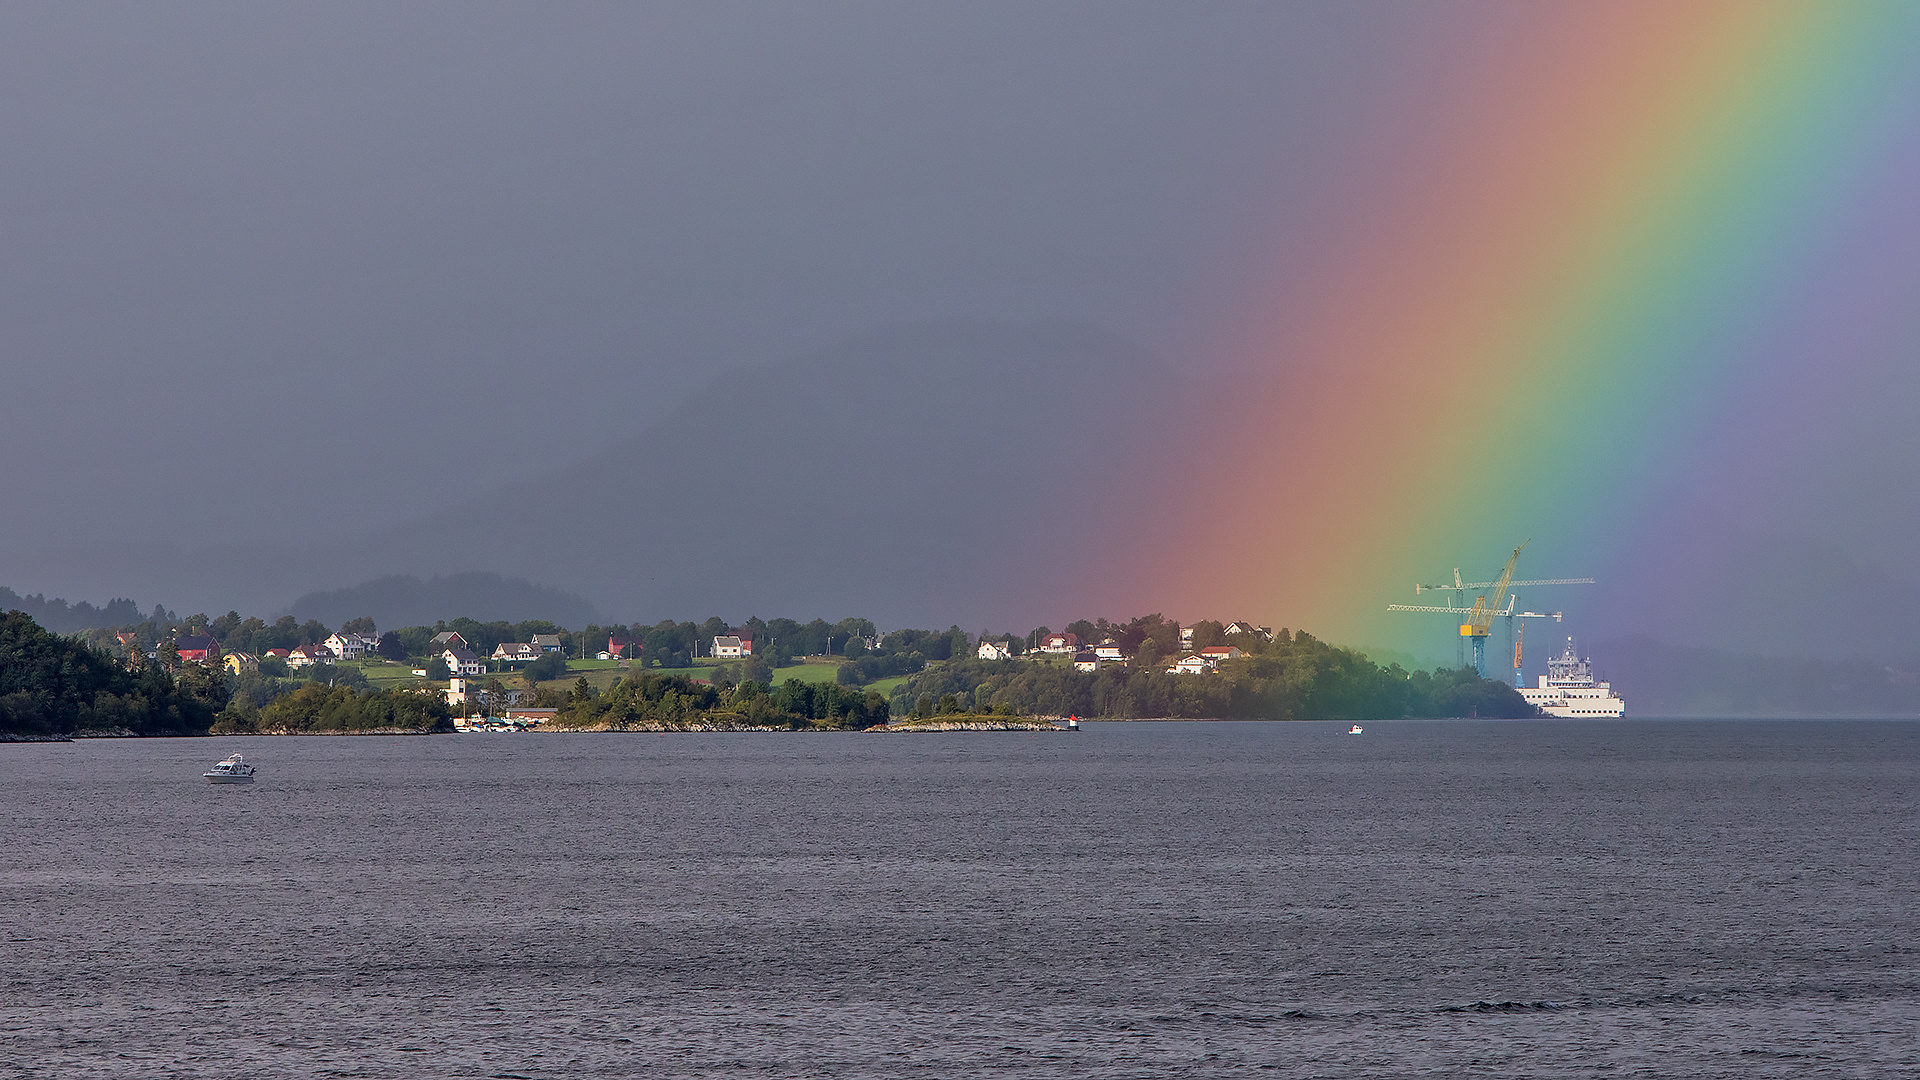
[
  {"x": 384, "y": 676},
  {"x": 602, "y": 674},
  {"x": 807, "y": 672},
  {"x": 885, "y": 686}
]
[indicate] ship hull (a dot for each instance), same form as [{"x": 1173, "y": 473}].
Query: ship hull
[{"x": 1576, "y": 705}]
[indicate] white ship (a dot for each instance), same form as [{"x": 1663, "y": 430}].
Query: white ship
[{"x": 1567, "y": 689}]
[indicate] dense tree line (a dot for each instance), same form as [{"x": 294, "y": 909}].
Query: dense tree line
[
  {"x": 651, "y": 700},
  {"x": 1296, "y": 676},
  {"x": 321, "y": 709},
  {"x": 902, "y": 652},
  {"x": 878, "y": 666},
  {"x": 51, "y": 685}
]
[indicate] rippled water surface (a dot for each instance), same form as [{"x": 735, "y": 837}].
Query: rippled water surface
[{"x": 1137, "y": 900}]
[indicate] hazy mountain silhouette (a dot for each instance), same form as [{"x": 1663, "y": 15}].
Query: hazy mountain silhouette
[
  {"x": 1658, "y": 679},
  {"x": 400, "y": 600},
  {"x": 1747, "y": 591},
  {"x": 926, "y": 474}
]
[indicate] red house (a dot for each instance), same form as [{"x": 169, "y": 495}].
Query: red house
[{"x": 196, "y": 648}]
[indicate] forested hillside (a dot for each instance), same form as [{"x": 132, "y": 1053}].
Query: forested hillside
[{"x": 55, "y": 686}]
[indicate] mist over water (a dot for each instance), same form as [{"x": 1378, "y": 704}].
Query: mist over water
[{"x": 1202, "y": 899}]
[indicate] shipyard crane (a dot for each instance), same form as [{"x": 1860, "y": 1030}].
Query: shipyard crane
[
  {"x": 1478, "y": 624},
  {"x": 1518, "y": 632},
  {"x": 1514, "y": 631},
  {"x": 1459, "y": 588}
]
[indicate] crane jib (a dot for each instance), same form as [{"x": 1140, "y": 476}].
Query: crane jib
[{"x": 1496, "y": 600}]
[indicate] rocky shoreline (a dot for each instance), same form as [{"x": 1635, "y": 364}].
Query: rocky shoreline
[
  {"x": 908, "y": 726},
  {"x": 88, "y": 733},
  {"x": 549, "y": 729},
  {"x": 972, "y": 723}
]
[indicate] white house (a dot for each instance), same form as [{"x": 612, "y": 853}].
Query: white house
[
  {"x": 461, "y": 662},
  {"x": 1085, "y": 661},
  {"x": 308, "y": 655},
  {"x": 347, "y": 646},
  {"x": 1216, "y": 653},
  {"x": 516, "y": 652},
  {"x": 995, "y": 650},
  {"x": 732, "y": 646},
  {"x": 1248, "y": 628},
  {"x": 1191, "y": 664},
  {"x": 1060, "y": 644},
  {"x": 1109, "y": 652},
  {"x": 1186, "y": 637},
  {"x": 458, "y": 693}
]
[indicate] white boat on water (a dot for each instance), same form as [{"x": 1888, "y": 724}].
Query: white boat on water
[
  {"x": 1569, "y": 691},
  {"x": 230, "y": 770},
  {"x": 1354, "y": 730}
]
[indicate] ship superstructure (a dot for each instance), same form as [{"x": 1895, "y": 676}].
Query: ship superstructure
[{"x": 1568, "y": 689}]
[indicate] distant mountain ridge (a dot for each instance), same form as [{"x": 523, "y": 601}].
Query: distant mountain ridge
[
  {"x": 1657, "y": 679},
  {"x": 943, "y": 472},
  {"x": 402, "y": 600}
]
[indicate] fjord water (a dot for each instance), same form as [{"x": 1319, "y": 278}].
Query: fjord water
[{"x": 1199, "y": 899}]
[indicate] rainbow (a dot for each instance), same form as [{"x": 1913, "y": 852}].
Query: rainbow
[{"x": 1552, "y": 288}]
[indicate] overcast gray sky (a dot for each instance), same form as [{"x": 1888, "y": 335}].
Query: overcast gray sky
[{"x": 372, "y": 259}]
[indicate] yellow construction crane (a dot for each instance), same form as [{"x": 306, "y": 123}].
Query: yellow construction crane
[{"x": 1478, "y": 624}]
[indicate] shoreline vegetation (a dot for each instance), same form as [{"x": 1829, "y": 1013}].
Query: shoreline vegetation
[{"x": 195, "y": 676}]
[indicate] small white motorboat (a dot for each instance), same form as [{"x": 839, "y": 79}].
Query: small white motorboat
[
  {"x": 1354, "y": 730},
  {"x": 231, "y": 770}
]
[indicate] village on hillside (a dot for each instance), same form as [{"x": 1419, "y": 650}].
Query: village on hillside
[{"x": 497, "y": 684}]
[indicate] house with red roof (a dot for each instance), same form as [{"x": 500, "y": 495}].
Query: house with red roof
[{"x": 196, "y": 648}]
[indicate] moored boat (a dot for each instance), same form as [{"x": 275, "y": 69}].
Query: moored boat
[{"x": 232, "y": 769}]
